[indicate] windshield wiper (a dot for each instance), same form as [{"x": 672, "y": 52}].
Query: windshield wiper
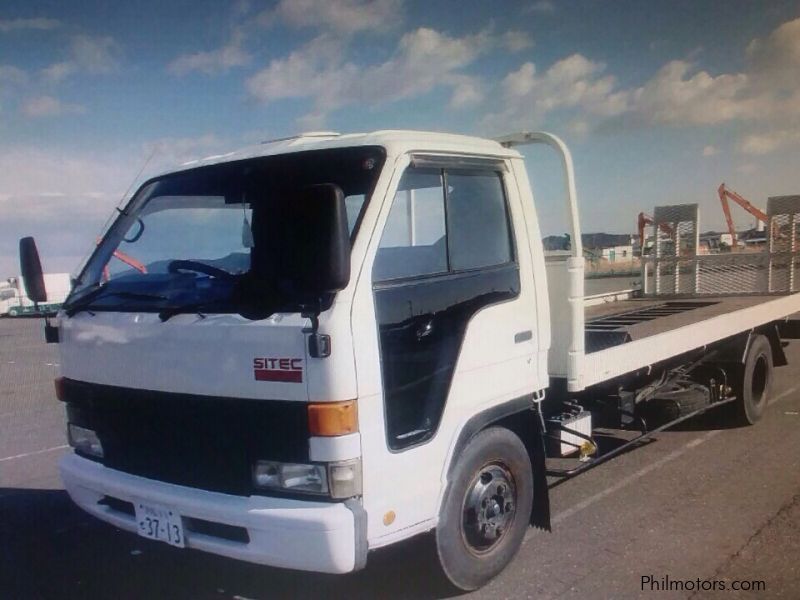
[
  {"x": 86, "y": 301},
  {"x": 196, "y": 307}
]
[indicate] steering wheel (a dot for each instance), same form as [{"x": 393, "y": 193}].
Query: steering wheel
[{"x": 176, "y": 266}]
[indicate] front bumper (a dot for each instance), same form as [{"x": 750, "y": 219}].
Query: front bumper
[{"x": 293, "y": 534}]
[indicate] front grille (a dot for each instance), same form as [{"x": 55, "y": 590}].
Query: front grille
[{"x": 197, "y": 441}]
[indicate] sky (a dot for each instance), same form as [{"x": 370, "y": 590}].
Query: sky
[{"x": 659, "y": 102}]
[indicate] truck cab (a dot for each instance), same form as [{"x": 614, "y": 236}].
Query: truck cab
[{"x": 265, "y": 413}]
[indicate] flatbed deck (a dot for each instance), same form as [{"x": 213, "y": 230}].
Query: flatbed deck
[
  {"x": 627, "y": 335},
  {"x": 635, "y": 319}
]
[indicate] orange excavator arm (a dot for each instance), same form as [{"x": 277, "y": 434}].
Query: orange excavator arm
[
  {"x": 724, "y": 195},
  {"x": 128, "y": 260},
  {"x": 645, "y": 220}
]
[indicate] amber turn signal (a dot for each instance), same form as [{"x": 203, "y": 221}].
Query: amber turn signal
[{"x": 332, "y": 418}]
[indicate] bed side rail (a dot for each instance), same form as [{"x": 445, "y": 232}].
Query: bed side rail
[{"x": 679, "y": 263}]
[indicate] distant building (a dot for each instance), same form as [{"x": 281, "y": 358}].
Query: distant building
[
  {"x": 616, "y": 254},
  {"x": 611, "y": 247}
]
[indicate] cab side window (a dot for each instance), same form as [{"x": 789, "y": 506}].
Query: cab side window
[
  {"x": 446, "y": 252},
  {"x": 477, "y": 222},
  {"x": 414, "y": 238}
]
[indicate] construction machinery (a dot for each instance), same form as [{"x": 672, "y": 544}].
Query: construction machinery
[
  {"x": 724, "y": 195},
  {"x": 643, "y": 221}
]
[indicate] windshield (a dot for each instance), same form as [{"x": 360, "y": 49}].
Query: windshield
[{"x": 214, "y": 238}]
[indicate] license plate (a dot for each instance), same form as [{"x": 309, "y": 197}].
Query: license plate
[{"x": 159, "y": 523}]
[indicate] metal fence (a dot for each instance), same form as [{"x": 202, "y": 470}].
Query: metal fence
[{"x": 675, "y": 266}]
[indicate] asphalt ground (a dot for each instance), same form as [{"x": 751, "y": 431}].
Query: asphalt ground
[{"x": 706, "y": 505}]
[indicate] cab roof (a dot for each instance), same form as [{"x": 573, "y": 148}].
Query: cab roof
[{"x": 395, "y": 142}]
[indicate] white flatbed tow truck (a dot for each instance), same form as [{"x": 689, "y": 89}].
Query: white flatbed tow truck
[{"x": 332, "y": 343}]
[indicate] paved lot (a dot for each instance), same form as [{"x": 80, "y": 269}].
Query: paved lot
[{"x": 699, "y": 503}]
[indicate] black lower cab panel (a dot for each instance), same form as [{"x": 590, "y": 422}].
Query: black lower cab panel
[{"x": 205, "y": 442}]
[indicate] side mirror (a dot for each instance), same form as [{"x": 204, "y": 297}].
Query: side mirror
[
  {"x": 320, "y": 240},
  {"x": 31, "y": 267}
]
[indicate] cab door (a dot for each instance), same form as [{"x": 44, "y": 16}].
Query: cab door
[{"x": 451, "y": 329}]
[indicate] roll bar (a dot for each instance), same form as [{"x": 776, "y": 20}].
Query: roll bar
[
  {"x": 575, "y": 264},
  {"x": 525, "y": 138}
]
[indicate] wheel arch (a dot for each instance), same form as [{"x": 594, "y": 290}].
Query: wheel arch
[
  {"x": 734, "y": 350},
  {"x": 521, "y": 417}
]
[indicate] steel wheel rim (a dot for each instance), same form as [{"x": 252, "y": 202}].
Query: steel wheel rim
[{"x": 490, "y": 506}]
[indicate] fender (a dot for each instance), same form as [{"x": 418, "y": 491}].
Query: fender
[
  {"x": 772, "y": 332},
  {"x": 734, "y": 350},
  {"x": 532, "y": 435}
]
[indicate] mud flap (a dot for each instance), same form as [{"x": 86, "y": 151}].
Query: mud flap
[{"x": 540, "y": 516}]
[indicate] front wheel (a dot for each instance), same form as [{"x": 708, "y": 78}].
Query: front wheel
[{"x": 486, "y": 509}]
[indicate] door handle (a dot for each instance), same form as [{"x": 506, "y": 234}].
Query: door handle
[
  {"x": 523, "y": 336},
  {"x": 425, "y": 329}
]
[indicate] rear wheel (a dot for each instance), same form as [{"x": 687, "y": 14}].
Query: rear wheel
[
  {"x": 13, "y": 312},
  {"x": 755, "y": 382},
  {"x": 486, "y": 509}
]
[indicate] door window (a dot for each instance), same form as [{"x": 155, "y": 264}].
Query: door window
[
  {"x": 477, "y": 223},
  {"x": 445, "y": 253},
  {"x": 414, "y": 237}
]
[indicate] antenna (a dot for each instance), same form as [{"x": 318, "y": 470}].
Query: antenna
[
  {"x": 78, "y": 279},
  {"x": 139, "y": 173}
]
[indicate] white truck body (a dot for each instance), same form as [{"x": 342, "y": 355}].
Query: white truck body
[{"x": 513, "y": 352}]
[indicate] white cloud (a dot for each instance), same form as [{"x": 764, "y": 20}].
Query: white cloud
[
  {"x": 767, "y": 142},
  {"x": 339, "y": 16},
  {"x": 423, "y": 60},
  {"x": 679, "y": 97},
  {"x": 86, "y": 54},
  {"x": 710, "y": 151},
  {"x": 11, "y": 75},
  {"x": 316, "y": 69},
  {"x": 58, "y": 72},
  {"x": 313, "y": 121},
  {"x": 574, "y": 82},
  {"x": 42, "y": 24},
  {"x": 516, "y": 41},
  {"x": 542, "y": 7},
  {"x": 747, "y": 168},
  {"x": 466, "y": 93},
  {"x": 96, "y": 55},
  {"x": 47, "y": 106},
  {"x": 777, "y": 57},
  {"x": 211, "y": 62},
  {"x": 763, "y": 98}
]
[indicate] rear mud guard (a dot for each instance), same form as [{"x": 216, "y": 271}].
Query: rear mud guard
[{"x": 540, "y": 516}]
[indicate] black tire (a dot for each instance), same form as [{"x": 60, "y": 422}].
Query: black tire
[
  {"x": 477, "y": 537},
  {"x": 755, "y": 382}
]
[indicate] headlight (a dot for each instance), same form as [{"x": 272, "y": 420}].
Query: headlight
[
  {"x": 84, "y": 440},
  {"x": 290, "y": 477},
  {"x": 337, "y": 480}
]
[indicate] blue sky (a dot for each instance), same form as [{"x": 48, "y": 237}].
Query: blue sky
[{"x": 660, "y": 102}]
